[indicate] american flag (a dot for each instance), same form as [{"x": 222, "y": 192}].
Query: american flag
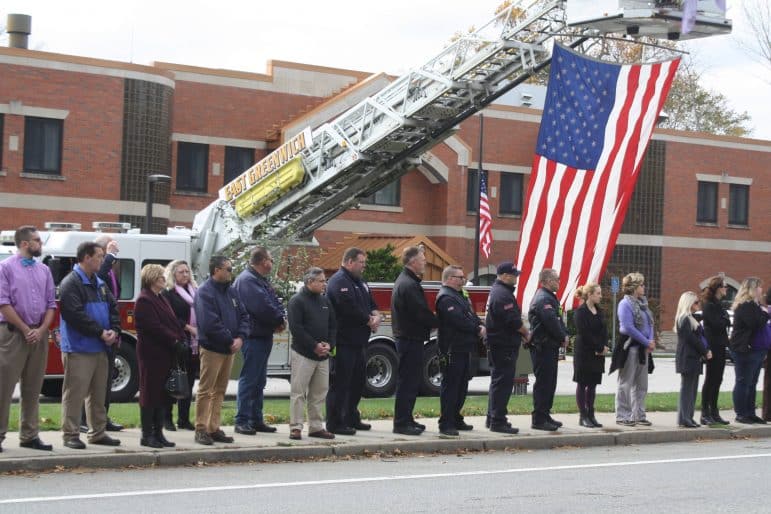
[
  {"x": 485, "y": 220},
  {"x": 596, "y": 124}
]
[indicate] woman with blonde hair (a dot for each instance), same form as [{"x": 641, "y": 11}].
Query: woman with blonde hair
[
  {"x": 589, "y": 349},
  {"x": 692, "y": 350},
  {"x": 749, "y": 319},
  {"x": 158, "y": 342},
  {"x": 180, "y": 292}
]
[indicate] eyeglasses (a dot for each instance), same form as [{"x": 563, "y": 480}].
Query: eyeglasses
[{"x": 458, "y": 276}]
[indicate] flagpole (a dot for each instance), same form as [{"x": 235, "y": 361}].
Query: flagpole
[{"x": 479, "y": 210}]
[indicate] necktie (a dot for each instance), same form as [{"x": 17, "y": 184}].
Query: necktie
[{"x": 28, "y": 262}]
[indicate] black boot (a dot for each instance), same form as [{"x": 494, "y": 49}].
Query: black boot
[
  {"x": 159, "y": 415},
  {"x": 168, "y": 422},
  {"x": 593, "y": 419},
  {"x": 706, "y": 415},
  {"x": 584, "y": 420},
  {"x": 716, "y": 415},
  {"x": 148, "y": 435}
]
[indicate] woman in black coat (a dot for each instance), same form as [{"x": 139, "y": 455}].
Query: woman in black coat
[
  {"x": 692, "y": 350},
  {"x": 716, "y": 322},
  {"x": 180, "y": 292},
  {"x": 749, "y": 319},
  {"x": 158, "y": 336},
  {"x": 590, "y": 349}
]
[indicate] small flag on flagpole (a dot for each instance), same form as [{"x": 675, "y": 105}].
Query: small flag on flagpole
[{"x": 485, "y": 220}]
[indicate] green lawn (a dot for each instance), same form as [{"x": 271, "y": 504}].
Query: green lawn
[{"x": 277, "y": 410}]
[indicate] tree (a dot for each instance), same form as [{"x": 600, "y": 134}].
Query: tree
[
  {"x": 757, "y": 41},
  {"x": 382, "y": 265}
]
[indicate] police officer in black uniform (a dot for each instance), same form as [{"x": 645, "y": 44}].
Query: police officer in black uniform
[
  {"x": 459, "y": 332},
  {"x": 412, "y": 324},
  {"x": 357, "y": 317},
  {"x": 505, "y": 333},
  {"x": 548, "y": 334}
]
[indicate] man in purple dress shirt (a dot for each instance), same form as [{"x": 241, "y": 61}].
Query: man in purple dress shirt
[{"x": 27, "y": 307}]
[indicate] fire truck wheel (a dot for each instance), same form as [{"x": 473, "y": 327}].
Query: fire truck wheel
[
  {"x": 432, "y": 375},
  {"x": 382, "y": 370},
  {"x": 125, "y": 376}
]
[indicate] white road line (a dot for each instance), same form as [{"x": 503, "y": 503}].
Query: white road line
[{"x": 42, "y": 499}]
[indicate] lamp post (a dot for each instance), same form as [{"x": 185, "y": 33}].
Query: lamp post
[{"x": 151, "y": 180}]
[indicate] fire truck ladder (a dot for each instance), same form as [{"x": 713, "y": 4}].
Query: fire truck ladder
[{"x": 383, "y": 137}]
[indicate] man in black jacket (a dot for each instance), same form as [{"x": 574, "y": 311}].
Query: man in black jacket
[
  {"x": 312, "y": 324},
  {"x": 222, "y": 327},
  {"x": 505, "y": 332},
  {"x": 548, "y": 334},
  {"x": 412, "y": 324},
  {"x": 357, "y": 317},
  {"x": 459, "y": 332}
]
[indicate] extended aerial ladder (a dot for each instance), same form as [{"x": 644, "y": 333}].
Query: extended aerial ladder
[{"x": 384, "y": 136}]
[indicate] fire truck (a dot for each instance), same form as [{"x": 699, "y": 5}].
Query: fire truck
[{"x": 320, "y": 172}]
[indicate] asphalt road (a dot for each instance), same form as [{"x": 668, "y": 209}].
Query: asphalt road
[{"x": 718, "y": 476}]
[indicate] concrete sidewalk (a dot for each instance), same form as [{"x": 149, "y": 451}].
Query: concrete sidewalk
[{"x": 278, "y": 446}]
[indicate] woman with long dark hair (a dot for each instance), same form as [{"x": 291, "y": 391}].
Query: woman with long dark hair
[
  {"x": 590, "y": 349},
  {"x": 716, "y": 322},
  {"x": 749, "y": 319}
]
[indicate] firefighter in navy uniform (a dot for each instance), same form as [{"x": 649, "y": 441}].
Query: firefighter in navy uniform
[
  {"x": 548, "y": 334},
  {"x": 505, "y": 333},
  {"x": 459, "y": 332}
]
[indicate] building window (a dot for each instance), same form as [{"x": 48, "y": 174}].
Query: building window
[
  {"x": 511, "y": 193},
  {"x": 389, "y": 195},
  {"x": 43, "y": 145},
  {"x": 738, "y": 204},
  {"x": 192, "y": 166},
  {"x": 706, "y": 203},
  {"x": 237, "y": 161},
  {"x": 472, "y": 191}
]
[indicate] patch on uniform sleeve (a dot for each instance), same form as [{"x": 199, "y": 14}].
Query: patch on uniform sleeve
[
  {"x": 508, "y": 306},
  {"x": 547, "y": 306},
  {"x": 343, "y": 289}
]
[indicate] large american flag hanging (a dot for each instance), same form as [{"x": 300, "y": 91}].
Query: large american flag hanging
[
  {"x": 485, "y": 220},
  {"x": 596, "y": 124}
]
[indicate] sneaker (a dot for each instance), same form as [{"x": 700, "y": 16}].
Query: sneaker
[
  {"x": 449, "y": 431},
  {"x": 625, "y": 422},
  {"x": 644, "y": 422},
  {"x": 464, "y": 426},
  {"x": 220, "y": 437},
  {"x": 201, "y": 437}
]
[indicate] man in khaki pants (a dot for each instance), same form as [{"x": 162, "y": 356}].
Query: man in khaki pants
[
  {"x": 222, "y": 326},
  {"x": 313, "y": 327},
  {"x": 89, "y": 324},
  {"x": 27, "y": 307}
]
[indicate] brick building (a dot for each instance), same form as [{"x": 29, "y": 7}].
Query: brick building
[{"x": 80, "y": 136}]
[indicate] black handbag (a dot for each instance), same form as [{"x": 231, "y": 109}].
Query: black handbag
[{"x": 177, "y": 385}]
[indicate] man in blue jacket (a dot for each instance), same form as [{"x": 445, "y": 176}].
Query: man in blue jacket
[
  {"x": 222, "y": 327},
  {"x": 89, "y": 325},
  {"x": 357, "y": 318},
  {"x": 266, "y": 317},
  {"x": 459, "y": 332}
]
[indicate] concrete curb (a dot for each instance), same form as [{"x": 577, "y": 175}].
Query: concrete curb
[{"x": 284, "y": 452}]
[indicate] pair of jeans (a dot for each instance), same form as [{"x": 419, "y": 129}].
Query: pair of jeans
[
  {"x": 408, "y": 382},
  {"x": 747, "y": 369},
  {"x": 252, "y": 380}
]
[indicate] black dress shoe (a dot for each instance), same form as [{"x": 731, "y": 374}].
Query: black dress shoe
[
  {"x": 169, "y": 425},
  {"x": 720, "y": 420},
  {"x": 36, "y": 444},
  {"x": 262, "y": 427},
  {"x": 555, "y": 422},
  {"x": 220, "y": 437},
  {"x": 419, "y": 426},
  {"x": 111, "y": 426},
  {"x": 745, "y": 420},
  {"x": 362, "y": 426},
  {"x": 758, "y": 420},
  {"x": 106, "y": 441},
  {"x": 707, "y": 420},
  {"x": 75, "y": 444},
  {"x": 688, "y": 424},
  {"x": 245, "y": 429},
  {"x": 464, "y": 426},
  {"x": 546, "y": 425},
  {"x": 449, "y": 431},
  {"x": 407, "y": 430},
  {"x": 343, "y": 431},
  {"x": 504, "y": 429},
  {"x": 185, "y": 425},
  {"x": 151, "y": 441}
]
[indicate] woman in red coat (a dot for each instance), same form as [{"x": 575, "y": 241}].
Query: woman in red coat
[{"x": 158, "y": 338}]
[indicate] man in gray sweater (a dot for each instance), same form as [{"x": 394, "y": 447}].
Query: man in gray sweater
[{"x": 312, "y": 324}]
